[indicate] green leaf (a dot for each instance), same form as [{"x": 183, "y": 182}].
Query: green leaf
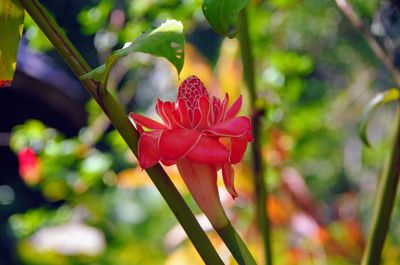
[
  {"x": 381, "y": 98},
  {"x": 221, "y": 14},
  {"x": 165, "y": 41},
  {"x": 11, "y": 25}
]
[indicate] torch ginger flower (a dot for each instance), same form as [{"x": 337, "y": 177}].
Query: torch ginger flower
[{"x": 200, "y": 135}]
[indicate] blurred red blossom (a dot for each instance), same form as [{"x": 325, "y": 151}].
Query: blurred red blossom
[{"x": 30, "y": 168}]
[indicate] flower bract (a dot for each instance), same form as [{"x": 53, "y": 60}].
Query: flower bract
[{"x": 196, "y": 128}]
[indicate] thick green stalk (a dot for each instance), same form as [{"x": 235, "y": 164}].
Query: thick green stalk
[
  {"x": 236, "y": 245},
  {"x": 384, "y": 203},
  {"x": 119, "y": 119},
  {"x": 258, "y": 166},
  {"x": 201, "y": 180},
  {"x": 387, "y": 188}
]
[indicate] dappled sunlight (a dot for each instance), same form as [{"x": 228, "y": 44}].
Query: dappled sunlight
[{"x": 255, "y": 132}]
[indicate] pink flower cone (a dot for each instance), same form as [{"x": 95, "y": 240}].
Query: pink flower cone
[{"x": 200, "y": 135}]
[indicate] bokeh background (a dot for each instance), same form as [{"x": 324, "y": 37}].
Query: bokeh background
[{"x": 72, "y": 193}]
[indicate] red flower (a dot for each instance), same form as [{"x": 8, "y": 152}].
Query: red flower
[
  {"x": 199, "y": 134},
  {"x": 29, "y": 166}
]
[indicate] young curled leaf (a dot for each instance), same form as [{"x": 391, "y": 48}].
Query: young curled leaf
[
  {"x": 221, "y": 14},
  {"x": 165, "y": 41},
  {"x": 381, "y": 98},
  {"x": 11, "y": 23}
]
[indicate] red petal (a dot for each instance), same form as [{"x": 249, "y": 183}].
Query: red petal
[
  {"x": 208, "y": 151},
  {"x": 183, "y": 110},
  {"x": 238, "y": 147},
  {"x": 216, "y": 106},
  {"x": 204, "y": 105},
  {"x": 177, "y": 117},
  {"x": 148, "y": 149},
  {"x": 196, "y": 117},
  {"x": 168, "y": 111},
  {"x": 224, "y": 105},
  {"x": 228, "y": 175},
  {"x": 249, "y": 137},
  {"x": 234, "y": 109},
  {"x": 146, "y": 122},
  {"x": 168, "y": 162},
  {"x": 160, "y": 111},
  {"x": 233, "y": 127},
  {"x": 174, "y": 144},
  {"x": 139, "y": 128}
]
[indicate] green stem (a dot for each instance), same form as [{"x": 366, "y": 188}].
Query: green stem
[
  {"x": 384, "y": 203},
  {"x": 201, "y": 181},
  {"x": 236, "y": 245},
  {"x": 119, "y": 119},
  {"x": 258, "y": 166}
]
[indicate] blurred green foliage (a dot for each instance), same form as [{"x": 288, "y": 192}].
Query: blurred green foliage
[{"x": 315, "y": 73}]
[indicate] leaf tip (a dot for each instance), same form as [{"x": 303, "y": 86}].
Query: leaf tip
[
  {"x": 170, "y": 23},
  {"x": 379, "y": 99},
  {"x": 363, "y": 136}
]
